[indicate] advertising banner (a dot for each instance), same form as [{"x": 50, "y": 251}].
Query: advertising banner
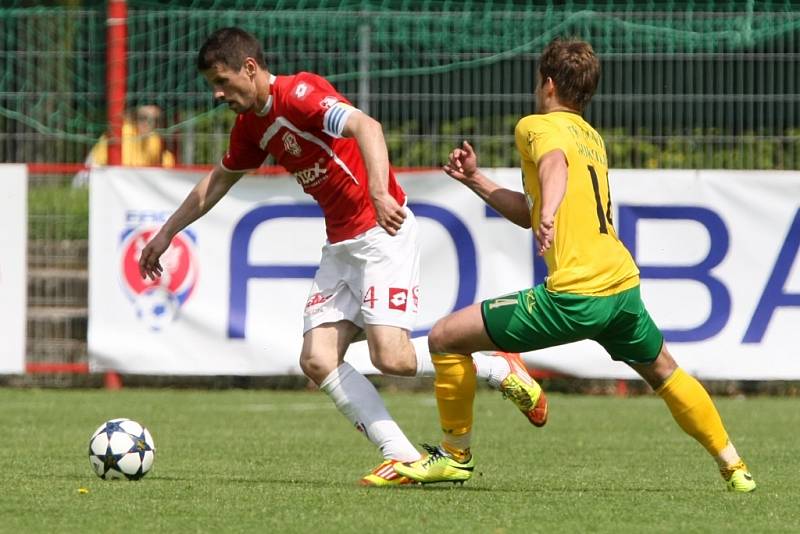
[
  {"x": 13, "y": 267},
  {"x": 717, "y": 252}
]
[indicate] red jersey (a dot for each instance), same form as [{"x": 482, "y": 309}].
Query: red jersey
[{"x": 300, "y": 126}]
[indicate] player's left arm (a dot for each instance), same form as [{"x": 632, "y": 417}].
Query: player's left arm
[
  {"x": 368, "y": 133},
  {"x": 553, "y": 178}
]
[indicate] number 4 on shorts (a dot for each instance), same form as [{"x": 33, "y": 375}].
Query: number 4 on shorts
[{"x": 370, "y": 296}]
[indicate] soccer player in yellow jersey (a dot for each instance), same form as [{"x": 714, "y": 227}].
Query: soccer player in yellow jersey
[{"x": 592, "y": 287}]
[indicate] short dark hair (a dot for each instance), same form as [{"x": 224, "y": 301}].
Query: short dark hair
[
  {"x": 574, "y": 68},
  {"x": 230, "y": 46}
]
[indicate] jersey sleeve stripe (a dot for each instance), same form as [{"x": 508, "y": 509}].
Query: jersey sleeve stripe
[
  {"x": 336, "y": 117},
  {"x": 330, "y": 119}
]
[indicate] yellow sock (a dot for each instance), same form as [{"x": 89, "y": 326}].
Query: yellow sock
[
  {"x": 455, "y": 392},
  {"x": 694, "y": 411}
]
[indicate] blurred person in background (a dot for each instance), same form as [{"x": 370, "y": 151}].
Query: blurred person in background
[
  {"x": 592, "y": 287},
  {"x": 368, "y": 278},
  {"x": 142, "y": 145}
]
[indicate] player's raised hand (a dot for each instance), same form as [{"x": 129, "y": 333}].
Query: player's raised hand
[
  {"x": 462, "y": 162},
  {"x": 545, "y": 233},
  {"x": 389, "y": 213},
  {"x": 149, "y": 264}
]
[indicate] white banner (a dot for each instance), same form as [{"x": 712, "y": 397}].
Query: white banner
[
  {"x": 13, "y": 267},
  {"x": 717, "y": 252}
]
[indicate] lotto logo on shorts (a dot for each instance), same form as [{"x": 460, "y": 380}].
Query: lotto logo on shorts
[{"x": 398, "y": 298}]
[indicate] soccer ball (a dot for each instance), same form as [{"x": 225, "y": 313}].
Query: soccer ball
[{"x": 121, "y": 448}]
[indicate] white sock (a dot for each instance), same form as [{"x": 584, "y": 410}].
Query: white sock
[
  {"x": 358, "y": 400},
  {"x": 424, "y": 362},
  {"x": 491, "y": 368},
  {"x": 728, "y": 456},
  {"x": 458, "y": 443},
  {"x": 494, "y": 369}
]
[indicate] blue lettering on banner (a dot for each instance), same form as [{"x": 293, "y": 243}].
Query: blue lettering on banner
[
  {"x": 701, "y": 272},
  {"x": 773, "y": 295},
  {"x": 465, "y": 253},
  {"x": 139, "y": 217},
  {"x": 241, "y": 271}
]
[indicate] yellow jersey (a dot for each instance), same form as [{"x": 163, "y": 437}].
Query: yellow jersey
[
  {"x": 137, "y": 150},
  {"x": 586, "y": 257}
]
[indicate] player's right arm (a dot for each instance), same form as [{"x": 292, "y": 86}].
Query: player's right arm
[
  {"x": 463, "y": 166},
  {"x": 553, "y": 180},
  {"x": 197, "y": 203},
  {"x": 368, "y": 133}
]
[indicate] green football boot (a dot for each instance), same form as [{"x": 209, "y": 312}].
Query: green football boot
[
  {"x": 437, "y": 466},
  {"x": 738, "y": 478},
  {"x": 523, "y": 390}
]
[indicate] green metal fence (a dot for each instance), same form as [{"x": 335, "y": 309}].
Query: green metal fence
[{"x": 698, "y": 84}]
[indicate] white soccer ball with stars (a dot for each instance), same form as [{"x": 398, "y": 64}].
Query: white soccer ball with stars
[{"x": 121, "y": 448}]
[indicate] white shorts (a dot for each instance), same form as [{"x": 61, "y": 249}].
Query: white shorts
[{"x": 370, "y": 279}]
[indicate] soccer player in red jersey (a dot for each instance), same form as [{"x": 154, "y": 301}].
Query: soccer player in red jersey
[
  {"x": 369, "y": 271},
  {"x": 368, "y": 278}
]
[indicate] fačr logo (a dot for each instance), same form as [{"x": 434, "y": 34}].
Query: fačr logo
[{"x": 157, "y": 302}]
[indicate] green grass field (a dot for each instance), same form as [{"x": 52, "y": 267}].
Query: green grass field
[{"x": 265, "y": 461}]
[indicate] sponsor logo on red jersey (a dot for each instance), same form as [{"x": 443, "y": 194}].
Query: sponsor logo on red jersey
[
  {"x": 291, "y": 145},
  {"x": 302, "y": 90},
  {"x": 312, "y": 176}
]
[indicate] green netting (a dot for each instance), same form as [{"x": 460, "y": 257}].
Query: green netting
[{"x": 685, "y": 84}]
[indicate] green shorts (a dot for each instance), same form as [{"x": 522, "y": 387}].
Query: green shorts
[{"x": 538, "y": 318}]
